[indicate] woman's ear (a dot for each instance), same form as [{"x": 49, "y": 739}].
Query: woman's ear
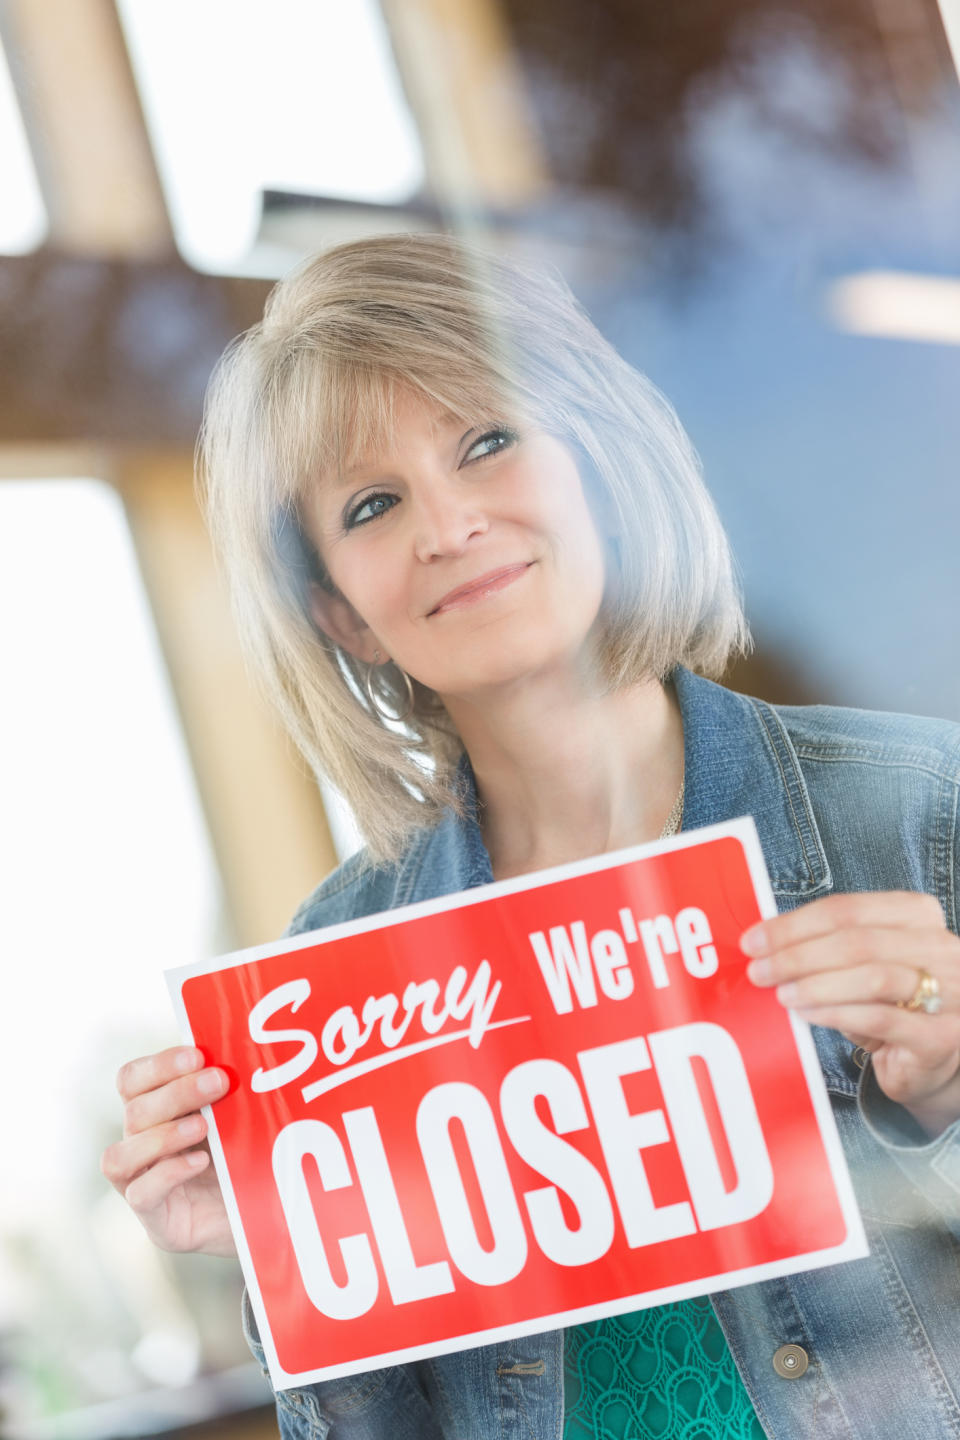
[{"x": 338, "y": 620}]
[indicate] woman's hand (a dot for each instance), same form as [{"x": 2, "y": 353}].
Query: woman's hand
[
  {"x": 853, "y": 962},
  {"x": 168, "y": 1182}
]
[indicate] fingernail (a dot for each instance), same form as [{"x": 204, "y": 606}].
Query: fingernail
[
  {"x": 190, "y": 1126},
  {"x": 758, "y": 972},
  {"x": 754, "y": 941},
  {"x": 196, "y": 1157},
  {"x": 211, "y": 1083},
  {"x": 786, "y": 994},
  {"x": 188, "y": 1060}
]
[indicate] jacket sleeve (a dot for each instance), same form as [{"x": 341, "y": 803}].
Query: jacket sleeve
[
  {"x": 386, "y": 1404},
  {"x": 933, "y": 1166}
]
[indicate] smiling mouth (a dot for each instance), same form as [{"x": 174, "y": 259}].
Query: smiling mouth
[{"x": 479, "y": 589}]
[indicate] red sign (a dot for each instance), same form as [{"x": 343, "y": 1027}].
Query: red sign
[{"x": 532, "y": 1104}]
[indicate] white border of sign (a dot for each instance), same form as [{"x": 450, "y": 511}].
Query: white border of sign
[{"x": 853, "y": 1247}]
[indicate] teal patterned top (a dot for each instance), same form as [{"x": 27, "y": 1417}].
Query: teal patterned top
[{"x": 659, "y": 1374}]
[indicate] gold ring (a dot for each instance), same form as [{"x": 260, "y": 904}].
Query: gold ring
[{"x": 926, "y": 996}]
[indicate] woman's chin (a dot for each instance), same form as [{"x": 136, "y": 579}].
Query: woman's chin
[{"x": 508, "y": 674}]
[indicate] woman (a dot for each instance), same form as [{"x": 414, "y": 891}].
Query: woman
[{"x": 473, "y": 555}]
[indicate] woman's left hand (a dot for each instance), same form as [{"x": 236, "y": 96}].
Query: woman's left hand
[{"x": 854, "y": 963}]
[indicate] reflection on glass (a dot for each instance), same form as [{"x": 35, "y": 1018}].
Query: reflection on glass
[{"x": 898, "y": 306}]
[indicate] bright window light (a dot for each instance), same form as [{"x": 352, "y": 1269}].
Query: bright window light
[
  {"x": 950, "y": 12},
  {"x": 247, "y": 95},
  {"x": 898, "y": 306},
  {"x": 108, "y": 878},
  {"x": 23, "y": 219},
  {"x": 108, "y": 871}
]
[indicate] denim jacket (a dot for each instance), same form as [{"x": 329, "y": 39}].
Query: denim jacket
[{"x": 843, "y": 800}]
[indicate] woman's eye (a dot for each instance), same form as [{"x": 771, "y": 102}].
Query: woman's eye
[
  {"x": 500, "y": 438},
  {"x": 369, "y": 508}
]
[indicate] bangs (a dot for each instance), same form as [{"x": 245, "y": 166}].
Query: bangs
[{"x": 330, "y": 418}]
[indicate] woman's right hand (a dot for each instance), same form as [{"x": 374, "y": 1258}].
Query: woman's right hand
[{"x": 168, "y": 1182}]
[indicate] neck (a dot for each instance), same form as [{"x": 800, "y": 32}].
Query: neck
[{"x": 600, "y": 772}]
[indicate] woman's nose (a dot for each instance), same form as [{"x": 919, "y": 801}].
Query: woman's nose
[{"x": 447, "y": 518}]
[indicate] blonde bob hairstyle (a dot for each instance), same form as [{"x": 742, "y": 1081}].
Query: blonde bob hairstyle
[{"x": 313, "y": 386}]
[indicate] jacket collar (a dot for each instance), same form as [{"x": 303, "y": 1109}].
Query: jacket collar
[{"x": 738, "y": 759}]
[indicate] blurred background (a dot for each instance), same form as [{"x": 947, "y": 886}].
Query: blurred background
[{"x": 758, "y": 202}]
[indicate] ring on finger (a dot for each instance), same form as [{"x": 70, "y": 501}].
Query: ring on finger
[{"x": 926, "y": 995}]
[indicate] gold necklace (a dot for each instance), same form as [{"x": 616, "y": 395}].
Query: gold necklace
[{"x": 675, "y": 818}]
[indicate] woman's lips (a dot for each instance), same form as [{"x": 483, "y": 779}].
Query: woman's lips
[{"x": 478, "y": 589}]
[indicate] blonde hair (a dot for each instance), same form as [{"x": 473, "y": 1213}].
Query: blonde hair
[{"x": 313, "y": 386}]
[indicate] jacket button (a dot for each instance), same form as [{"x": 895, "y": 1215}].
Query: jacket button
[
  {"x": 860, "y": 1057},
  {"x": 790, "y": 1361}
]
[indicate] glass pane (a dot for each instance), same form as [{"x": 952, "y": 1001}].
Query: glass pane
[{"x": 247, "y": 95}]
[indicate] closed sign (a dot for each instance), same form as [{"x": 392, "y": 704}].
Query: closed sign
[{"x": 540, "y": 1102}]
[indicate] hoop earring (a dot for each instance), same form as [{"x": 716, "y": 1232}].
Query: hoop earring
[{"x": 376, "y": 703}]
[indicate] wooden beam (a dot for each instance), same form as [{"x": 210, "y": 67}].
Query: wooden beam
[
  {"x": 466, "y": 90},
  {"x": 112, "y": 351},
  {"x": 264, "y": 810},
  {"x": 76, "y": 91}
]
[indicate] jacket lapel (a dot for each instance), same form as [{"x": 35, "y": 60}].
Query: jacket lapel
[{"x": 739, "y": 760}]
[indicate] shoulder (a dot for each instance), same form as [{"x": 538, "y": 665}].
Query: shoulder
[
  {"x": 438, "y": 860},
  {"x": 893, "y": 774},
  {"x": 355, "y": 889},
  {"x": 884, "y": 791},
  {"x": 831, "y": 734}
]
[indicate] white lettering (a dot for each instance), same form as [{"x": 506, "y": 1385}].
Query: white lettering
[
  {"x": 560, "y": 962},
  {"x": 693, "y": 932},
  {"x": 294, "y": 1142},
  {"x": 659, "y": 939},
  {"x": 474, "y": 1001},
  {"x": 572, "y": 1215},
  {"x": 628, "y": 925},
  {"x": 342, "y": 1023},
  {"x": 672, "y": 1052},
  {"x": 612, "y": 966},
  {"x": 557, "y": 1161},
  {"x": 464, "y": 997},
  {"x": 407, "y": 1280},
  {"x": 293, "y": 993},
  {"x": 425, "y": 994},
  {"x": 465, "y": 1103},
  {"x": 623, "y": 1136},
  {"x": 382, "y": 1008}
]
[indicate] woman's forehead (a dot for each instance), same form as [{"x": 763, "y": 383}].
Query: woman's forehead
[{"x": 414, "y": 420}]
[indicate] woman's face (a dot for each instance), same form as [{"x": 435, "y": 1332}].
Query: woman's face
[{"x": 468, "y": 556}]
